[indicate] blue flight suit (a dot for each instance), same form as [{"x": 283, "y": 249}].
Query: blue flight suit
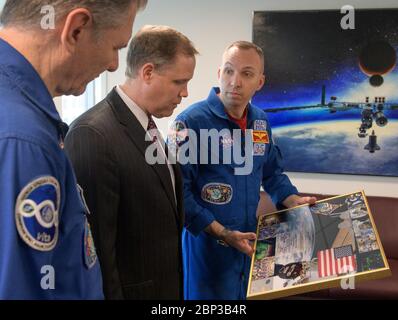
[
  {"x": 46, "y": 247},
  {"x": 215, "y": 192}
]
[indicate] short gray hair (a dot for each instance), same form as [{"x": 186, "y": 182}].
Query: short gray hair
[
  {"x": 158, "y": 45},
  {"x": 106, "y": 13}
]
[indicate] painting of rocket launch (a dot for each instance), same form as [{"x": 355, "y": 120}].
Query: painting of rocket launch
[{"x": 331, "y": 93}]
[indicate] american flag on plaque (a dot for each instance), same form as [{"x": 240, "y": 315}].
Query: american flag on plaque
[{"x": 336, "y": 261}]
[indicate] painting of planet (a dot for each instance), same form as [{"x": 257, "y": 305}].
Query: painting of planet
[{"x": 331, "y": 91}]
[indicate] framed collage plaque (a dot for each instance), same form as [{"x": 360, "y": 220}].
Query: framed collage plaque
[{"x": 309, "y": 248}]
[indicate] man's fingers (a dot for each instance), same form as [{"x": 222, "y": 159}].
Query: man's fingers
[
  {"x": 248, "y": 236},
  {"x": 247, "y": 249},
  {"x": 312, "y": 200},
  {"x": 242, "y": 241},
  {"x": 305, "y": 200},
  {"x": 251, "y": 236}
]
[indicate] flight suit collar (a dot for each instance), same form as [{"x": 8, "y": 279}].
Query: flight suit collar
[
  {"x": 217, "y": 107},
  {"x": 25, "y": 77}
]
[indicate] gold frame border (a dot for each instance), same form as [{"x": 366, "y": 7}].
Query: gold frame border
[{"x": 322, "y": 284}]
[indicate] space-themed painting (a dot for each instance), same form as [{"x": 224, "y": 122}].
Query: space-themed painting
[
  {"x": 331, "y": 93},
  {"x": 307, "y": 248}
]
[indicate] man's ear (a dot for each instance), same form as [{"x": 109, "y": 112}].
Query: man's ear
[
  {"x": 147, "y": 71},
  {"x": 77, "y": 26},
  {"x": 219, "y": 73},
  {"x": 261, "y": 83}
]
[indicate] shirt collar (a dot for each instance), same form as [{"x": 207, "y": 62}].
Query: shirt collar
[
  {"x": 140, "y": 114},
  {"x": 217, "y": 107},
  {"x": 22, "y": 74}
]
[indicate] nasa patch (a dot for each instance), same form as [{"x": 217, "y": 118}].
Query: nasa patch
[
  {"x": 259, "y": 149},
  {"x": 37, "y": 213},
  {"x": 90, "y": 254},
  {"x": 177, "y": 133},
  {"x": 260, "y": 125},
  {"x": 226, "y": 141},
  {"x": 217, "y": 193}
]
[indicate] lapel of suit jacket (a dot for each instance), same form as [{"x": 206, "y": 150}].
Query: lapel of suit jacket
[
  {"x": 137, "y": 134},
  {"x": 179, "y": 182}
]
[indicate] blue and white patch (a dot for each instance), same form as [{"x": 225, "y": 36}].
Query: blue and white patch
[
  {"x": 226, "y": 141},
  {"x": 217, "y": 193},
  {"x": 90, "y": 254},
  {"x": 260, "y": 125},
  {"x": 37, "y": 213},
  {"x": 259, "y": 149},
  {"x": 177, "y": 133},
  {"x": 354, "y": 200}
]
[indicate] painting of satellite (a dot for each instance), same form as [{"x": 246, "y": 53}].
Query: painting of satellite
[{"x": 331, "y": 93}]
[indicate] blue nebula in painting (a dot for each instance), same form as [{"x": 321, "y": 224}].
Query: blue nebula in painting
[{"x": 308, "y": 94}]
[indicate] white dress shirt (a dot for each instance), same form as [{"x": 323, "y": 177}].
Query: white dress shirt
[{"x": 142, "y": 118}]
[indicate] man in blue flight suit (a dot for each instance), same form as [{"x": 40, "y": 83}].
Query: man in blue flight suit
[
  {"x": 220, "y": 200},
  {"x": 46, "y": 247}
]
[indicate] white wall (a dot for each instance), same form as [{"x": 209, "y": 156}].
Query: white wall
[{"x": 212, "y": 25}]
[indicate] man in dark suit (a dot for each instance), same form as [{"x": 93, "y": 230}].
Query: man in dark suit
[{"x": 136, "y": 208}]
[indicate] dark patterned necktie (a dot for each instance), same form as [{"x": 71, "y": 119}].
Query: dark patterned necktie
[{"x": 152, "y": 129}]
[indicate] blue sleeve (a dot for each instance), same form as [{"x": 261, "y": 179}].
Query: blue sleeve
[
  {"x": 22, "y": 267},
  {"x": 275, "y": 182},
  {"x": 197, "y": 217}
]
